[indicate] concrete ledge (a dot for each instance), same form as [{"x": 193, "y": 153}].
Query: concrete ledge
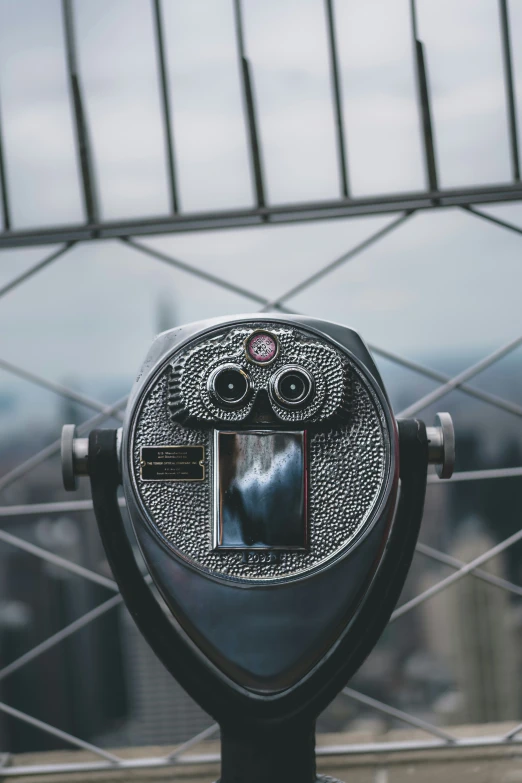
[{"x": 340, "y": 755}]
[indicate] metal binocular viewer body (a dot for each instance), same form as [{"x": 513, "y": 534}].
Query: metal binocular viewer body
[{"x": 276, "y": 502}]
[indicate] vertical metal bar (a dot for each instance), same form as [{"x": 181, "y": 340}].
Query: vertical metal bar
[
  {"x": 510, "y": 88},
  {"x": 165, "y": 103},
  {"x": 424, "y": 103},
  {"x": 82, "y": 138},
  {"x": 250, "y": 109},
  {"x": 6, "y": 214},
  {"x": 336, "y": 89}
]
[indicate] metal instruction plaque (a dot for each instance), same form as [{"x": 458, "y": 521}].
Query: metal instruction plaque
[{"x": 172, "y": 463}]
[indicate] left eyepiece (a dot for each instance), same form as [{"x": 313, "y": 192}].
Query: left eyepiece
[{"x": 229, "y": 385}]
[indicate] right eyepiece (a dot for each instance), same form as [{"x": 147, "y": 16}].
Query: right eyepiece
[
  {"x": 229, "y": 385},
  {"x": 292, "y": 386}
]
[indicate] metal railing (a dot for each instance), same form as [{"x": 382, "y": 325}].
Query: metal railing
[
  {"x": 261, "y": 213},
  {"x": 460, "y": 381},
  {"x": 403, "y": 207}
]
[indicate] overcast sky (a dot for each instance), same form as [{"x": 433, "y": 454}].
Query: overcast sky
[{"x": 443, "y": 284}]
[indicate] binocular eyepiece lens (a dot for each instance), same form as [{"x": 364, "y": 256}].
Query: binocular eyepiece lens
[
  {"x": 229, "y": 385},
  {"x": 292, "y": 386}
]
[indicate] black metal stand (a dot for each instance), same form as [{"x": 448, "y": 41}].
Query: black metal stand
[
  {"x": 264, "y": 739},
  {"x": 281, "y": 754}
]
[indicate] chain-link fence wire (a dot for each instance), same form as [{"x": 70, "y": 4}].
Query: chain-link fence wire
[{"x": 403, "y": 211}]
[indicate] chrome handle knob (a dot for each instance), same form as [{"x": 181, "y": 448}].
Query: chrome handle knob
[{"x": 441, "y": 445}]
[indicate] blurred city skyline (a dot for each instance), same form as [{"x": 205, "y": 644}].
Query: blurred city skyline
[{"x": 443, "y": 289}]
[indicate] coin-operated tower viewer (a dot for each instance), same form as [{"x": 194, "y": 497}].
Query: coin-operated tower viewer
[{"x": 276, "y": 502}]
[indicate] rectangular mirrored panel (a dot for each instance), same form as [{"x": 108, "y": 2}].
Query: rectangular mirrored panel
[{"x": 260, "y": 490}]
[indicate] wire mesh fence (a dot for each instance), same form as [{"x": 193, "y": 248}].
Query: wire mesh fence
[{"x": 57, "y": 537}]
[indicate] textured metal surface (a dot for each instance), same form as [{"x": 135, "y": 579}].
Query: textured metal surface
[
  {"x": 342, "y": 493},
  {"x": 190, "y": 400}
]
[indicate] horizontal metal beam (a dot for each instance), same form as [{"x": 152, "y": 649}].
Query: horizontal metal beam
[
  {"x": 325, "y": 751},
  {"x": 283, "y": 213},
  {"x": 476, "y": 475},
  {"x": 59, "y": 507}
]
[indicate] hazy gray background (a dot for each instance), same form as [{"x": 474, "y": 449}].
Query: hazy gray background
[
  {"x": 443, "y": 285},
  {"x": 444, "y": 288}
]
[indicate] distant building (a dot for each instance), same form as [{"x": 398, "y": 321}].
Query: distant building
[
  {"x": 160, "y": 711},
  {"x": 470, "y": 626},
  {"x": 76, "y": 684}
]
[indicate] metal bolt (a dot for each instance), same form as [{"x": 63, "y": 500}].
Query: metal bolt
[
  {"x": 441, "y": 445},
  {"x": 75, "y": 457}
]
